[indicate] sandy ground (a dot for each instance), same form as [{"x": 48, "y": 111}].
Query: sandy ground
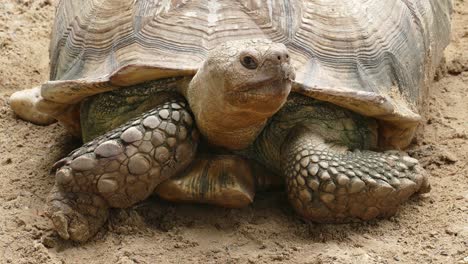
[{"x": 429, "y": 229}]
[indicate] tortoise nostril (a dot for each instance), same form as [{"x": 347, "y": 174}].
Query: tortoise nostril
[
  {"x": 279, "y": 57},
  {"x": 287, "y": 56}
]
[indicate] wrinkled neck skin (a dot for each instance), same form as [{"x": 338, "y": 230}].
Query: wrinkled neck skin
[{"x": 220, "y": 122}]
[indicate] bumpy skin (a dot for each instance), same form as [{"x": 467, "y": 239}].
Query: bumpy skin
[
  {"x": 120, "y": 168},
  {"x": 308, "y": 142},
  {"x": 328, "y": 186}
]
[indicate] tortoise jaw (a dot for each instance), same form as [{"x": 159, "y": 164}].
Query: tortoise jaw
[
  {"x": 266, "y": 94},
  {"x": 268, "y": 88},
  {"x": 265, "y": 97}
]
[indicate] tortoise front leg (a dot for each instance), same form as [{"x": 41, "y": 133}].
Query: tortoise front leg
[
  {"x": 328, "y": 185},
  {"x": 120, "y": 168}
]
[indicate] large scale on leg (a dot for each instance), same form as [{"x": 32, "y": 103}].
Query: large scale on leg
[
  {"x": 233, "y": 65},
  {"x": 121, "y": 168}
]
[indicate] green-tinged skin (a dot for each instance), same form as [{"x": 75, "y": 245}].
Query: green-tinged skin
[
  {"x": 104, "y": 112},
  {"x": 338, "y": 126}
]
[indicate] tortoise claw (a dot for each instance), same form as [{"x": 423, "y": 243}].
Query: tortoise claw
[
  {"x": 325, "y": 186},
  {"x": 76, "y": 217}
]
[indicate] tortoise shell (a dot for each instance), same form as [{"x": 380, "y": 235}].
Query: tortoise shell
[{"x": 371, "y": 56}]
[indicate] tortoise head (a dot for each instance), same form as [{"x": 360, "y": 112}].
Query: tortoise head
[{"x": 240, "y": 85}]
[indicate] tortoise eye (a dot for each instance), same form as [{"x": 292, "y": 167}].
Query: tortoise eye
[{"x": 249, "y": 62}]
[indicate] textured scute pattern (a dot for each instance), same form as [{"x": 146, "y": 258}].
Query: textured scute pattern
[
  {"x": 373, "y": 45},
  {"x": 126, "y": 164},
  {"x": 324, "y": 186}
]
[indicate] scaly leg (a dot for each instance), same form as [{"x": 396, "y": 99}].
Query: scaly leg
[
  {"x": 120, "y": 168},
  {"x": 328, "y": 185}
]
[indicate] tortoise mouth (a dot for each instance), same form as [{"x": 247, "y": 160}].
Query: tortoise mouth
[
  {"x": 265, "y": 85},
  {"x": 262, "y": 96},
  {"x": 268, "y": 89}
]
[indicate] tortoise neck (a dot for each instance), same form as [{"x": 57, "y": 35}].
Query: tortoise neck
[
  {"x": 230, "y": 131},
  {"x": 220, "y": 122}
]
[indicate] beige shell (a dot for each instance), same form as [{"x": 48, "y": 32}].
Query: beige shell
[{"x": 374, "y": 57}]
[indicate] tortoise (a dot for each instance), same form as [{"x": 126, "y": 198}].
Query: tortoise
[{"x": 208, "y": 101}]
